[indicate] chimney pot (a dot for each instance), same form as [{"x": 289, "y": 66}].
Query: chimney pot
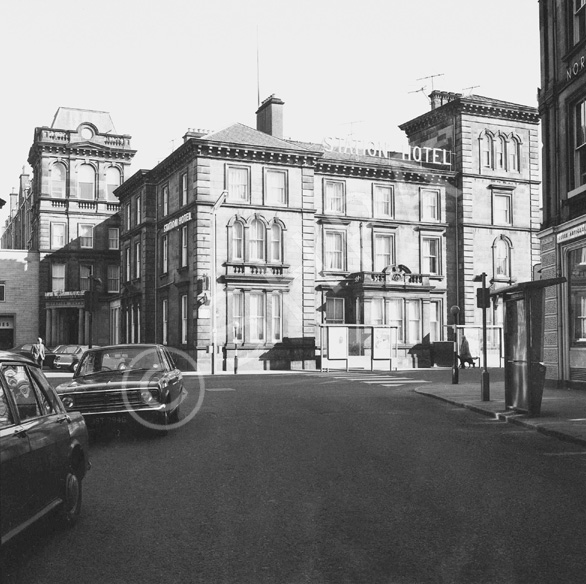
[{"x": 269, "y": 116}]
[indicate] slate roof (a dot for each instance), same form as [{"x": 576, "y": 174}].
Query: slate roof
[
  {"x": 246, "y": 136},
  {"x": 70, "y": 118}
]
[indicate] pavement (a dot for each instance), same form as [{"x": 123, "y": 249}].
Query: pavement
[{"x": 563, "y": 411}]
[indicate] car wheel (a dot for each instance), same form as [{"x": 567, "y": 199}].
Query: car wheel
[{"x": 71, "y": 507}]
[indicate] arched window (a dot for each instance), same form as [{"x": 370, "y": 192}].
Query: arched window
[
  {"x": 487, "y": 146},
  {"x": 112, "y": 181},
  {"x": 514, "y": 155},
  {"x": 86, "y": 180},
  {"x": 501, "y": 153},
  {"x": 502, "y": 259},
  {"x": 58, "y": 180},
  {"x": 257, "y": 240},
  {"x": 276, "y": 243},
  {"x": 237, "y": 242}
]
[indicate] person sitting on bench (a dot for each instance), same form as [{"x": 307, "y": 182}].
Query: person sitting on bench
[{"x": 465, "y": 356}]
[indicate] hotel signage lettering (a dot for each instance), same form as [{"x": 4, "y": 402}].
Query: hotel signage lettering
[
  {"x": 576, "y": 68},
  {"x": 572, "y": 233},
  {"x": 64, "y": 294},
  {"x": 382, "y": 150},
  {"x": 176, "y": 222}
]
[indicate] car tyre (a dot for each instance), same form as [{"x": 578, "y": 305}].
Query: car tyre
[
  {"x": 70, "y": 509},
  {"x": 175, "y": 414}
]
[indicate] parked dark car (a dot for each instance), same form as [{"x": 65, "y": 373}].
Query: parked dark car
[
  {"x": 27, "y": 351},
  {"x": 69, "y": 356},
  {"x": 50, "y": 355},
  {"x": 44, "y": 449},
  {"x": 120, "y": 382}
]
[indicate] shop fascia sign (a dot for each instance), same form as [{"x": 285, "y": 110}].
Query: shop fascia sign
[
  {"x": 576, "y": 68},
  {"x": 177, "y": 221},
  {"x": 64, "y": 294},
  {"x": 379, "y": 149},
  {"x": 577, "y": 231}
]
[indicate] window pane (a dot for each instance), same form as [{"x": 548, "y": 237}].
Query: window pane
[
  {"x": 237, "y": 241},
  {"x": 414, "y": 321},
  {"x": 58, "y": 277},
  {"x": 237, "y": 315},
  {"x": 257, "y": 240},
  {"x": 86, "y": 236},
  {"x": 430, "y": 205},
  {"x": 335, "y": 310},
  {"x": 383, "y": 252},
  {"x": 395, "y": 307},
  {"x": 112, "y": 182},
  {"x": 335, "y": 197},
  {"x": 276, "y": 243},
  {"x": 334, "y": 259},
  {"x": 113, "y": 238},
  {"x": 238, "y": 183},
  {"x": 257, "y": 317},
  {"x": 383, "y": 197},
  {"x": 86, "y": 181},
  {"x": 277, "y": 318},
  {"x": 276, "y": 187},
  {"x": 58, "y": 178},
  {"x": 113, "y": 279}
]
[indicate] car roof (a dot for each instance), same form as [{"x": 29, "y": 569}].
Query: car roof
[
  {"x": 128, "y": 346},
  {"x": 8, "y": 356}
]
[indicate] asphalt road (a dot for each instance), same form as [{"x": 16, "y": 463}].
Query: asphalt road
[{"x": 320, "y": 478}]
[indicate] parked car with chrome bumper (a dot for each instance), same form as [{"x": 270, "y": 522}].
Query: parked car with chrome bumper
[
  {"x": 44, "y": 449},
  {"x": 119, "y": 382},
  {"x": 68, "y": 357}
]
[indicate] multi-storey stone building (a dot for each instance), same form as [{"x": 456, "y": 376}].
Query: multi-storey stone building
[
  {"x": 562, "y": 106},
  {"x": 248, "y": 241},
  {"x": 68, "y": 214},
  {"x": 495, "y": 217}
]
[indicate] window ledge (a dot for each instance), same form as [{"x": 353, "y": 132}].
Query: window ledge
[{"x": 576, "y": 192}]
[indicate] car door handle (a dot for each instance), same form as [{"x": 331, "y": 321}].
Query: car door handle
[
  {"x": 20, "y": 433},
  {"x": 64, "y": 419}
]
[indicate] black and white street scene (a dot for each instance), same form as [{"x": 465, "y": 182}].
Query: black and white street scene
[{"x": 293, "y": 292}]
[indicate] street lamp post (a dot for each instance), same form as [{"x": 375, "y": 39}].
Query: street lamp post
[
  {"x": 455, "y": 310},
  {"x": 235, "y": 349},
  {"x": 213, "y": 305},
  {"x": 484, "y": 302}
]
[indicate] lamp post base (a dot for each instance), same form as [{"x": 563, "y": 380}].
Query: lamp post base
[{"x": 485, "y": 386}]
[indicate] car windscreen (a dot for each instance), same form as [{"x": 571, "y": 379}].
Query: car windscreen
[
  {"x": 70, "y": 350},
  {"x": 120, "y": 360}
]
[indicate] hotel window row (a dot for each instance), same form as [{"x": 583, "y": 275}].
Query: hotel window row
[
  {"x": 183, "y": 250},
  {"x": 335, "y": 252},
  {"x": 403, "y": 314},
  {"x": 500, "y": 152},
  {"x": 83, "y": 184},
  {"x": 383, "y": 201},
  {"x": 275, "y": 185},
  {"x": 577, "y": 18},
  {"x": 256, "y": 316},
  {"x": 86, "y": 271},
  {"x": 256, "y": 240},
  {"x": 85, "y": 234}
]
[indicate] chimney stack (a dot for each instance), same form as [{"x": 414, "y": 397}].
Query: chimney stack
[
  {"x": 269, "y": 117},
  {"x": 439, "y": 98}
]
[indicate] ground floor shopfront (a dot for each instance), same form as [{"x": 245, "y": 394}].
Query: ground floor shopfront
[{"x": 563, "y": 251}]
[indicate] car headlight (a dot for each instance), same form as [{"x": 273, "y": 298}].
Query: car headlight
[
  {"x": 146, "y": 396},
  {"x": 68, "y": 402}
]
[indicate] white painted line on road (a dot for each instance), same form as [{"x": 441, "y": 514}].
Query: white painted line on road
[
  {"x": 220, "y": 389},
  {"x": 403, "y": 382},
  {"x": 578, "y": 420}
]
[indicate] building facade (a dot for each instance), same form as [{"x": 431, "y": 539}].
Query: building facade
[
  {"x": 562, "y": 106},
  {"x": 19, "y": 297},
  {"x": 67, "y": 212},
  {"x": 243, "y": 242},
  {"x": 496, "y": 214}
]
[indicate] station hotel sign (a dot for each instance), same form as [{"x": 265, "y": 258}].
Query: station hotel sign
[{"x": 351, "y": 145}]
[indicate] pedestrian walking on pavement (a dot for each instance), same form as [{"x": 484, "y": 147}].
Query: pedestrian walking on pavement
[{"x": 39, "y": 352}]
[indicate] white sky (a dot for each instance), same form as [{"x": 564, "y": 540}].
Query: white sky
[{"x": 161, "y": 67}]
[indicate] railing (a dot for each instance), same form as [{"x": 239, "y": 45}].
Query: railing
[
  {"x": 245, "y": 269},
  {"x": 389, "y": 279}
]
